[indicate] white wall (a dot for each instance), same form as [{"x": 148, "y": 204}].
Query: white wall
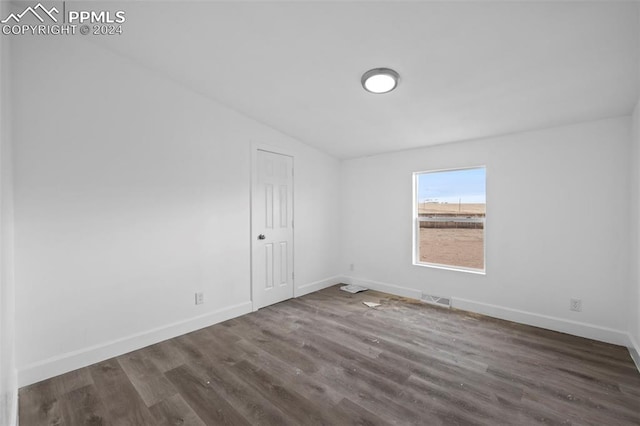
[
  {"x": 634, "y": 296},
  {"x": 8, "y": 378},
  {"x": 557, "y": 215},
  {"x": 131, "y": 194}
]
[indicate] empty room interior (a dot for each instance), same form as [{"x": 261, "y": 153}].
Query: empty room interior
[{"x": 323, "y": 212}]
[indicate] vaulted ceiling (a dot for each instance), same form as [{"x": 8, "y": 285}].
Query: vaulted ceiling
[{"x": 467, "y": 69}]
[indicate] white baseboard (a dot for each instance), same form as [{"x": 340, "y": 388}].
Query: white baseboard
[
  {"x": 317, "y": 285},
  {"x": 64, "y": 363},
  {"x": 384, "y": 287},
  {"x": 81, "y": 358},
  {"x": 576, "y": 328},
  {"x": 634, "y": 351},
  {"x": 562, "y": 325},
  {"x": 13, "y": 419},
  {"x": 9, "y": 409}
]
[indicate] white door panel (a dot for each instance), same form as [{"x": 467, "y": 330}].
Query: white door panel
[{"x": 272, "y": 228}]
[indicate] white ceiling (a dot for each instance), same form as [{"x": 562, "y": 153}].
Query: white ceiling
[{"x": 468, "y": 69}]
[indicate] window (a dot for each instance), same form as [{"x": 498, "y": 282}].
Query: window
[{"x": 450, "y": 210}]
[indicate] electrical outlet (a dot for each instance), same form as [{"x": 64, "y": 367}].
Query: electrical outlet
[
  {"x": 199, "y": 298},
  {"x": 352, "y": 267},
  {"x": 575, "y": 305}
]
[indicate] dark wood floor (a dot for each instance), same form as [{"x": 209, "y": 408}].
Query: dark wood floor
[{"x": 326, "y": 358}]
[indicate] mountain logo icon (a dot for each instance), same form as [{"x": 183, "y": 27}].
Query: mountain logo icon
[{"x": 33, "y": 11}]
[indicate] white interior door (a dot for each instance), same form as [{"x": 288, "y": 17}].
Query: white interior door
[{"x": 272, "y": 228}]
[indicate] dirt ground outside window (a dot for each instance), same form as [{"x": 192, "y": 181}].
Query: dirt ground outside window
[{"x": 453, "y": 247}]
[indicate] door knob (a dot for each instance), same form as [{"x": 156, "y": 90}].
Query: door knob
[{"x": 261, "y": 237}]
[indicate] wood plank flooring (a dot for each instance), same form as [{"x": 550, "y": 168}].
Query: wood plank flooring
[{"x": 328, "y": 359}]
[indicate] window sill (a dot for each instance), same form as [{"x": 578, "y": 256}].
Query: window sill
[{"x": 451, "y": 268}]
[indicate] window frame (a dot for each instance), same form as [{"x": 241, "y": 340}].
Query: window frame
[{"x": 416, "y": 225}]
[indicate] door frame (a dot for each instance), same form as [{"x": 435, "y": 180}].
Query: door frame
[{"x": 255, "y": 147}]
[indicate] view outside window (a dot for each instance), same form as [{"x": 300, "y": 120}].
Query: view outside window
[{"x": 450, "y": 218}]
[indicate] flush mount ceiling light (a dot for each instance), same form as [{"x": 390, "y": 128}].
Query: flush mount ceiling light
[{"x": 380, "y": 80}]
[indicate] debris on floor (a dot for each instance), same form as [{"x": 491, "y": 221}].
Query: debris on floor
[
  {"x": 353, "y": 288},
  {"x": 372, "y": 304}
]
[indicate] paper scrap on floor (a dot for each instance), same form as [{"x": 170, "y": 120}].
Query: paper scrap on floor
[
  {"x": 353, "y": 288},
  {"x": 372, "y": 304}
]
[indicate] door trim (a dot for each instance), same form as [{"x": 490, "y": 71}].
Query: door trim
[{"x": 255, "y": 147}]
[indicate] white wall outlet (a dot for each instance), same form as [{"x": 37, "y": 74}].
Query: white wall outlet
[
  {"x": 352, "y": 267},
  {"x": 199, "y": 298},
  {"x": 575, "y": 305}
]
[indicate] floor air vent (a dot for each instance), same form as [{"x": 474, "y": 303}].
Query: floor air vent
[{"x": 444, "y": 302}]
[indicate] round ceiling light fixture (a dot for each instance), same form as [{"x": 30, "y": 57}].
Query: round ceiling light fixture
[{"x": 380, "y": 80}]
